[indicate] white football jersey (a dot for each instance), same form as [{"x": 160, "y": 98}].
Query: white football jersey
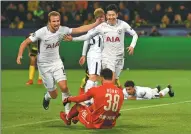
[
  {"x": 140, "y": 93},
  {"x": 48, "y": 47},
  {"x": 95, "y": 45},
  {"x": 113, "y": 38}
]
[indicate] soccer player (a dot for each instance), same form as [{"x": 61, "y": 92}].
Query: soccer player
[
  {"x": 104, "y": 112},
  {"x": 49, "y": 62},
  {"x": 132, "y": 92},
  {"x": 113, "y": 32},
  {"x": 95, "y": 45},
  {"x": 33, "y": 51}
]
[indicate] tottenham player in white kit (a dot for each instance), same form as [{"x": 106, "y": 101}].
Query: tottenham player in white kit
[
  {"x": 132, "y": 92},
  {"x": 49, "y": 62},
  {"x": 113, "y": 32},
  {"x": 95, "y": 45}
]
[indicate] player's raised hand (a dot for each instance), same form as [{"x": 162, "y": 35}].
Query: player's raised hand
[
  {"x": 82, "y": 60},
  {"x": 67, "y": 38},
  {"x": 65, "y": 101},
  {"x": 99, "y": 20},
  {"x": 130, "y": 50},
  {"x": 19, "y": 59}
]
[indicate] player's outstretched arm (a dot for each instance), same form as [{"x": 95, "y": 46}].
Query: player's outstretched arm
[
  {"x": 86, "y": 28},
  {"x": 87, "y": 36},
  {"x": 23, "y": 45}
]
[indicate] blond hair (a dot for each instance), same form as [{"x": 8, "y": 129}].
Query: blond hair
[
  {"x": 53, "y": 13},
  {"x": 98, "y": 12}
]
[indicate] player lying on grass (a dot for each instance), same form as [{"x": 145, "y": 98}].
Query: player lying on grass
[
  {"x": 132, "y": 92},
  {"x": 104, "y": 112}
]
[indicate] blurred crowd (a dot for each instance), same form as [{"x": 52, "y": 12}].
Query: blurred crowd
[{"x": 30, "y": 14}]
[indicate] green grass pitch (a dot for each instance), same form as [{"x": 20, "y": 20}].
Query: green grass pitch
[{"x": 22, "y": 110}]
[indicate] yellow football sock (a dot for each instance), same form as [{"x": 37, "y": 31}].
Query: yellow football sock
[
  {"x": 39, "y": 77},
  {"x": 117, "y": 82},
  {"x": 83, "y": 83},
  {"x": 31, "y": 72}
]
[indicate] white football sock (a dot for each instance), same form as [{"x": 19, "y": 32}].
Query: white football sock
[
  {"x": 89, "y": 84},
  {"x": 47, "y": 96},
  {"x": 164, "y": 91},
  {"x": 67, "y": 106}
]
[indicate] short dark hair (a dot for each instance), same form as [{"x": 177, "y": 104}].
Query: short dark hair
[
  {"x": 107, "y": 74},
  {"x": 112, "y": 7},
  {"x": 129, "y": 83}
]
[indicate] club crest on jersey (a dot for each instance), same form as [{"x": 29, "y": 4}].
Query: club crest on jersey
[
  {"x": 54, "y": 45},
  {"x": 119, "y": 31},
  {"x": 112, "y": 39},
  {"x": 33, "y": 34}
]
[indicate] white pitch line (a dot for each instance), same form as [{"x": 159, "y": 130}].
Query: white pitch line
[
  {"x": 155, "y": 106},
  {"x": 26, "y": 124},
  {"x": 39, "y": 122}
]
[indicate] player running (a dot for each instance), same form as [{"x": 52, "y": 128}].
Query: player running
[
  {"x": 104, "y": 112},
  {"x": 49, "y": 62},
  {"x": 113, "y": 32}
]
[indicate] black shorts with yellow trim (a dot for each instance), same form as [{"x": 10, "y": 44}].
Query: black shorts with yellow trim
[{"x": 33, "y": 52}]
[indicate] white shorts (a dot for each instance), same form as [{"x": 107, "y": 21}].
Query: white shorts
[
  {"x": 52, "y": 75},
  {"x": 155, "y": 94},
  {"x": 94, "y": 66},
  {"x": 115, "y": 65}
]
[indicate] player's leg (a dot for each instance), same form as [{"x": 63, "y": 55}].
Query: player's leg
[
  {"x": 166, "y": 90},
  {"x": 31, "y": 70},
  {"x": 39, "y": 79},
  {"x": 83, "y": 82},
  {"x": 108, "y": 63},
  {"x": 94, "y": 68},
  {"x": 52, "y": 91},
  {"x": 119, "y": 68},
  {"x": 83, "y": 113},
  {"x": 61, "y": 79}
]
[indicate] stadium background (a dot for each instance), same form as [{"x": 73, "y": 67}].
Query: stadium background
[
  {"x": 162, "y": 56},
  {"x": 154, "y": 50}
]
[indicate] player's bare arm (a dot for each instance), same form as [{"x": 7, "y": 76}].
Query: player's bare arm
[
  {"x": 132, "y": 32},
  {"x": 86, "y": 28},
  {"x": 82, "y": 60},
  {"x": 23, "y": 45},
  {"x": 131, "y": 98}
]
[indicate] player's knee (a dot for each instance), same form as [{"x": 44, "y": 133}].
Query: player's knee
[
  {"x": 160, "y": 95},
  {"x": 33, "y": 61},
  {"x": 64, "y": 88}
]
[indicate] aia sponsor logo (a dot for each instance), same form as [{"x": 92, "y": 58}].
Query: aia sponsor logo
[
  {"x": 54, "y": 45},
  {"x": 112, "y": 39}
]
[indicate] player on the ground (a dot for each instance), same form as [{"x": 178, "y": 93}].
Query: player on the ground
[
  {"x": 33, "y": 51},
  {"x": 113, "y": 32},
  {"x": 104, "y": 112},
  {"x": 49, "y": 62},
  {"x": 132, "y": 92},
  {"x": 95, "y": 45}
]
